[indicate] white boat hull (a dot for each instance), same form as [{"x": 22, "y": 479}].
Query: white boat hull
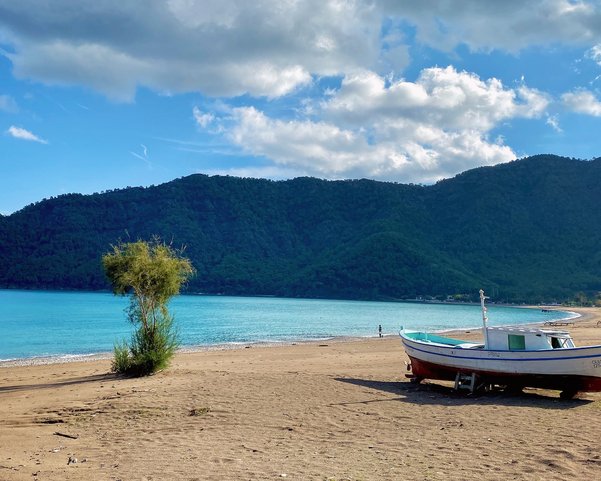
[{"x": 575, "y": 369}]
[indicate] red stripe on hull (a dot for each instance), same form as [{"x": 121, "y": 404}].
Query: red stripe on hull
[{"x": 428, "y": 370}]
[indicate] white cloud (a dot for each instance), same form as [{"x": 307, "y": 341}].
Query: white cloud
[
  {"x": 202, "y": 119},
  {"x": 220, "y": 48},
  {"x": 20, "y": 133},
  {"x": 424, "y": 154},
  {"x": 553, "y": 122},
  {"x": 532, "y": 102},
  {"x": 317, "y": 147},
  {"x": 8, "y": 104},
  {"x": 594, "y": 54},
  {"x": 433, "y": 126},
  {"x": 416, "y": 131},
  {"x": 510, "y": 25},
  {"x": 440, "y": 96},
  {"x": 269, "y": 48},
  {"x": 582, "y": 102}
]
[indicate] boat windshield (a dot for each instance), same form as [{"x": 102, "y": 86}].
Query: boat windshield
[{"x": 561, "y": 342}]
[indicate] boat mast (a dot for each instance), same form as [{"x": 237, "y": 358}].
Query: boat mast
[{"x": 484, "y": 318}]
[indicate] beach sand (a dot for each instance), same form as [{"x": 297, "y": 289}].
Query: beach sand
[{"x": 311, "y": 411}]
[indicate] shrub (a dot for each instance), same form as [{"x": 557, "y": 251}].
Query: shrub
[
  {"x": 121, "y": 359},
  {"x": 151, "y": 273}
]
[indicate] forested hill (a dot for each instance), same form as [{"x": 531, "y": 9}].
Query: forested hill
[{"x": 526, "y": 230}]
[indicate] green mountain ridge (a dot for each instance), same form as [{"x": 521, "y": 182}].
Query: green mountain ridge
[{"x": 528, "y": 230}]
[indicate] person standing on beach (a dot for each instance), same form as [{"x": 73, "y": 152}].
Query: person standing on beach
[{"x": 380, "y": 329}]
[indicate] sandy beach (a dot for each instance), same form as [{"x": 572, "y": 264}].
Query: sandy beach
[{"x": 317, "y": 411}]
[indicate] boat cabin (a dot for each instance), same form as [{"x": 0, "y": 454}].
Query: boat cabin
[
  {"x": 503, "y": 339},
  {"x": 524, "y": 339}
]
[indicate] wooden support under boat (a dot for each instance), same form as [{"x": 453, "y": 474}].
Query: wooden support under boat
[{"x": 466, "y": 381}]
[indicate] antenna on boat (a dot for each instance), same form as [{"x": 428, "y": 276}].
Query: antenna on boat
[{"x": 484, "y": 318}]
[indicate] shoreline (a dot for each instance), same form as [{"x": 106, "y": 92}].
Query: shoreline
[
  {"x": 233, "y": 346},
  {"x": 107, "y": 355}
]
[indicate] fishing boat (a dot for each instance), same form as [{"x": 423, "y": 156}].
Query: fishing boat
[{"x": 511, "y": 357}]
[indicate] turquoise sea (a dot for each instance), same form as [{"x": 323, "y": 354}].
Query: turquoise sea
[{"x": 64, "y": 324}]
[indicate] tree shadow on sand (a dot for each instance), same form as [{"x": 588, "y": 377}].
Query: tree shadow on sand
[
  {"x": 433, "y": 393},
  {"x": 57, "y": 384}
]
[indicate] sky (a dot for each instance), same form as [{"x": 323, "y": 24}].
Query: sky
[{"x": 103, "y": 94}]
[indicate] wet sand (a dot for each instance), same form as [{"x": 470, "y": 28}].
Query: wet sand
[{"x": 323, "y": 411}]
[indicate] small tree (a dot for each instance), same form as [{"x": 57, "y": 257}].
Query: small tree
[{"x": 151, "y": 273}]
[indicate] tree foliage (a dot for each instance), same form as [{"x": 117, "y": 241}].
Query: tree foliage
[
  {"x": 528, "y": 230},
  {"x": 151, "y": 273}
]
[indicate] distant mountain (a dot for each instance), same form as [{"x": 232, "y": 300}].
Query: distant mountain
[{"x": 527, "y": 230}]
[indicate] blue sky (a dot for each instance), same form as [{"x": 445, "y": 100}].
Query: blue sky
[{"x": 97, "y": 95}]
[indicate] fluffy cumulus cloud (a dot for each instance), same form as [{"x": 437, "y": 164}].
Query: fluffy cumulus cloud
[
  {"x": 409, "y": 131},
  {"x": 372, "y": 124},
  {"x": 23, "y": 134},
  {"x": 582, "y": 102},
  {"x": 268, "y": 48},
  {"x": 220, "y": 48},
  {"x": 445, "y": 97}
]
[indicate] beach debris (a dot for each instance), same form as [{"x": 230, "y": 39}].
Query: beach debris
[
  {"x": 72, "y": 460},
  {"x": 52, "y": 421},
  {"x": 254, "y": 450},
  {"x": 198, "y": 411},
  {"x": 65, "y": 435}
]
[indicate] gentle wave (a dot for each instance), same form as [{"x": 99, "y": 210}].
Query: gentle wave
[{"x": 74, "y": 325}]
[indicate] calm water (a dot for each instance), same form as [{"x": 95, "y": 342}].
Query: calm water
[{"x": 40, "y": 323}]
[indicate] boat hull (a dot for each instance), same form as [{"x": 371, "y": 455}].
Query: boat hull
[
  {"x": 567, "y": 382},
  {"x": 571, "y": 369}
]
